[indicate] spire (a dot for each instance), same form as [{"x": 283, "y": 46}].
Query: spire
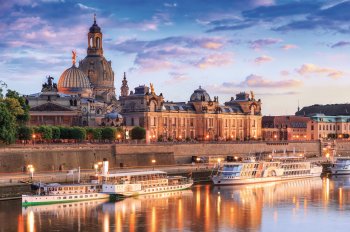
[
  {"x": 95, "y": 18},
  {"x": 298, "y": 106},
  {"x": 124, "y": 90}
]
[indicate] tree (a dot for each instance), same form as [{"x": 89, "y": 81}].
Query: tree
[
  {"x": 21, "y": 106},
  {"x": 78, "y": 133},
  {"x": 46, "y": 132},
  {"x": 56, "y": 132},
  {"x": 97, "y": 133},
  {"x": 65, "y": 133},
  {"x": 138, "y": 133},
  {"x": 24, "y": 133},
  {"x": 108, "y": 133},
  {"x": 7, "y": 125}
]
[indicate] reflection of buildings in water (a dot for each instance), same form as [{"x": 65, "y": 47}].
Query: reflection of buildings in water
[
  {"x": 33, "y": 216},
  {"x": 241, "y": 207},
  {"x": 151, "y": 211},
  {"x": 336, "y": 189}
]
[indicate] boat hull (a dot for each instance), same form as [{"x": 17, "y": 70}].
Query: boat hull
[
  {"x": 28, "y": 200},
  {"x": 154, "y": 190},
  {"x": 219, "y": 181},
  {"x": 340, "y": 171}
]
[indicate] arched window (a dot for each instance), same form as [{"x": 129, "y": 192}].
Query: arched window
[
  {"x": 91, "y": 44},
  {"x": 98, "y": 42}
]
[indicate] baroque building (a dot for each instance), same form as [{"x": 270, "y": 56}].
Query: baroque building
[
  {"x": 84, "y": 95},
  {"x": 201, "y": 118}
]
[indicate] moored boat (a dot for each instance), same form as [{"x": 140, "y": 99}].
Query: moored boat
[
  {"x": 341, "y": 166},
  {"x": 57, "y": 193},
  {"x": 138, "y": 183},
  {"x": 251, "y": 171}
]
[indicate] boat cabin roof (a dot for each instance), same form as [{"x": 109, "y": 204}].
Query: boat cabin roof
[{"x": 144, "y": 173}]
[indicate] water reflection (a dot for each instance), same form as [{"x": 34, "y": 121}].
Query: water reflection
[{"x": 283, "y": 206}]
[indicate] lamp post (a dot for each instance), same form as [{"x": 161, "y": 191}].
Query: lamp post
[
  {"x": 198, "y": 159},
  {"x": 153, "y": 163},
  {"x": 31, "y": 171},
  {"x": 33, "y": 136}
]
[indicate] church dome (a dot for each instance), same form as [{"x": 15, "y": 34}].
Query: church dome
[
  {"x": 200, "y": 95},
  {"x": 74, "y": 81}
]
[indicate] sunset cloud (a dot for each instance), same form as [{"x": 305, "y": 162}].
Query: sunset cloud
[
  {"x": 256, "y": 81},
  {"x": 289, "y": 46},
  {"x": 214, "y": 60},
  {"x": 263, "y": 59},
  {"x": 312, "y": 69},
  {"x": 261, "y": 43}
]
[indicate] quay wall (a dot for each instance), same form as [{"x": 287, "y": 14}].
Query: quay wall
[{"x": 14, "y": 159}]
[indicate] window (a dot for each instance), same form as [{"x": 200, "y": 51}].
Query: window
[{"x": 312, "y": 127}]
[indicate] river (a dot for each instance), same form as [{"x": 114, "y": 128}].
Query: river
[{"x": 302, "y": 205}]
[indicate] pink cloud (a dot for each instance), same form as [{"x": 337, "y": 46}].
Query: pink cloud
[
  {"x": 309, "y": 69},
  {"x": 263, "y": 59},
  {"x": 214, "y": 60},
  {"x": 256, "y": 81},
  {"x": 289, "y": 46}
]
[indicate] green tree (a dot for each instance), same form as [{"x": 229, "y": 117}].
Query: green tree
[
  {"x": 22, "y": 116},
  {"x": 56, "y": 132},
  {"x": 138, "y": 133},
  {"x": 97, "y": 133},
  {"x": 65, "y": 133},
  {"x": 78, "y": 133},
  {"x": 108, "y": 133},
  {"x": 46, "y": 132},
  {"x": 24, "y": 133},
  {"x": 7, "y": 125}
]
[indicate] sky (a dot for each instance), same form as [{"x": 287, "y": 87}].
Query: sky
[{"x": 286, "y": 52}]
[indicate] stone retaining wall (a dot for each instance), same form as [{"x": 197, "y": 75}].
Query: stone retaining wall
[{"x": 55, "y": 157}]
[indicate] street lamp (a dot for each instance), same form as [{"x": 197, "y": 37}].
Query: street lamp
[
  {"x": 198, "y": 159},
  {"x": 153, "y": 163},
  {"x": 31, "y": 171},
  {"x": 34, "y": 136}
]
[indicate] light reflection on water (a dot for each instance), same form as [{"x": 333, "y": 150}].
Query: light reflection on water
[{"x": 302, "y": 205}]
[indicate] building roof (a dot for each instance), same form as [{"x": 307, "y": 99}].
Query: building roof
[
  {"x": 289, "y": 121},
  {"x": 200, "y": 95},
  {"x": 50, "y": 107},
  {"x": 73, "y": 81},
  {"x": 328, "y": 110}
]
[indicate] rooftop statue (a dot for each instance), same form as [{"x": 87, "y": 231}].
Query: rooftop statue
[
  {"x": 252, "y": 95},
  {"x": 152, "y": 87},
  {"x": 74, "y": 57}
]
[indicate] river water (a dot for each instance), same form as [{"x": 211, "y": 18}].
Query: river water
[{"x": 302, "y": 205}]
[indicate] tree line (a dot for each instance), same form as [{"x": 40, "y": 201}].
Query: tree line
[{"x": 14, "y": 113}]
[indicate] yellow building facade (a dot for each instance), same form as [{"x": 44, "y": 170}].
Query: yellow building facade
[{"x": 201, "y": 118}]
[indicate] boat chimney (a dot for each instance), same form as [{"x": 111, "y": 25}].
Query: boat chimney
[{"x": 105, "y": 167}]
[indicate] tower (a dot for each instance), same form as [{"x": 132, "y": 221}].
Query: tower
[
  {"x": 96, "y": 67},
  {"x": 95, "y": 40},
  {"x": 124, "y": 90}
]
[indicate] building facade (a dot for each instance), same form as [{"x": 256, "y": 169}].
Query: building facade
[
  {"x": 279, "y": 128},
  {"x": 201, "y": 118},
  {"x": 323, "y": 127}
]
